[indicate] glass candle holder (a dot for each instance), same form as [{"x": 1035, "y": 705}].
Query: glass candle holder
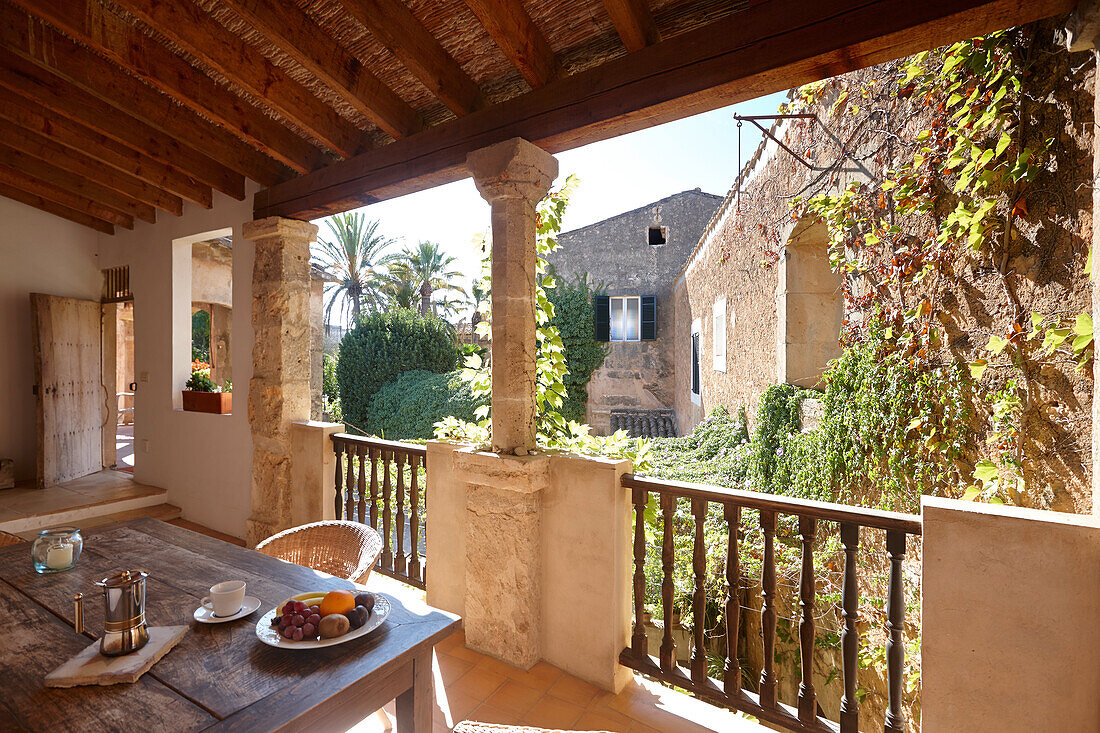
[{"x": 56, "y": 550}]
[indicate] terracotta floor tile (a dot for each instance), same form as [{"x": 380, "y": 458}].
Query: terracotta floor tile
[
  {"x": 451, "y": 668},
  {"x": 458, "y": 638},
  {"x": 512, "y": 697},
  {"x": 550, "y": 712},
  {"x": 540, "y": 677},
  {"x": 488, "y": 714},
  {"x": 478, "y": 683},
  {"x": 496, "y": 666},
  {"x": 574, "y": 690},
  {"x": 606, "y": 721},
  {"x": 460, "y": 705},
  {"x": 462, "y": 652}
]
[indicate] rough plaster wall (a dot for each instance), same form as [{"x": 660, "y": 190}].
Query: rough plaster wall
[
  {"x": 615, "y": 254},
  {"x": 41, "y": 253}
]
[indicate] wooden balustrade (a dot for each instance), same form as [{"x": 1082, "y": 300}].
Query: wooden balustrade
[
  {"x": 384, "y": 505},
  {"x": 729, "y": 692}
]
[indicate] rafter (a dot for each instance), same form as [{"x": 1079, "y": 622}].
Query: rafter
[
  {"x": 634, "y": 23},
  {"x": 77, "y": 162},
  {"x": 509, "y": 25},
  {"x": 108, "y": 33},
  {"x": 32, "y": 116},
  {"x": 396, "y": 28},
  {"x": 36, "y": 187},
  {"x": 68, "y": 181},
  {"x": 62, "y": 97},
  {"x": 300, "y": 38},
  {"x": 188, "y": 26},
  {"x": 766, "y": 48},
  {"x": 50, "y": 207}
]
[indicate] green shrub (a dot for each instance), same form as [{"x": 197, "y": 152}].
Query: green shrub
[
  {"x": 574, "y": 318},
  {"x": 384, "y": 345},
  {"x": 200, "y": 336},
  {"x": 408, "y": 407},
  {"x": 330, "y": 389}
]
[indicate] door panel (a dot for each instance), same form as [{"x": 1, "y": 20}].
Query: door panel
[{"x": 69, "y": 386}]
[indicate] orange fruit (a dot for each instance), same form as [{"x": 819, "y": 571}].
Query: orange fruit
[{"x": 337, "y": 601}]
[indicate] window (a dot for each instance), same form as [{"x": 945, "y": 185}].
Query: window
[
  {"x": 625, "y": 317},
  {"x": 719, "y": 333},
  {"x": 657, "y": 235},
  {"x": 696, "y": 386}
]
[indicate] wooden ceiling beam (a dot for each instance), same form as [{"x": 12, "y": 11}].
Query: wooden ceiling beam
[
  {"x": 285, "y": 25},
  {"x": 66, "y": 180},
  {"x": 188, "y": 26},
  {"x": 767, "y": 48},
  {"x": 509, "y": 25},
  {"x": 108, "y": 33},
  {"x": 40, "y": 44},
  {"x": 32, "y": 116},
  {"x": 29, "y": 184},
  {"x": 77, "y": 162},
  {"x": 633, "y": 22},
  {"x": 395, "y": 27},
  {"x": 63, "y": 98},
  {"x": 43, "y": 204}
]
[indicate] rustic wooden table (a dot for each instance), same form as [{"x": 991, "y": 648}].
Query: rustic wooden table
[{"x": 220, "y": 676}]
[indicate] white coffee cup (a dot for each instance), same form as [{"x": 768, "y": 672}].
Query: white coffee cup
[{"x": 225, "y": 599}]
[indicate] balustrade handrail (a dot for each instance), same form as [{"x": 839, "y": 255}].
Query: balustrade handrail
[
  {"x": 872, "y": 518},
  {"x": 409, "y": 448},
  {"x": 729, "y": 691}
]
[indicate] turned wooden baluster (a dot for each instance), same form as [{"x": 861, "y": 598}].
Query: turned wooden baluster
[
  {"x": 361, "y": 509},
  {"x": 731, "y": 677},
  {"x": 699, "y": 599},
  {"x": 807, "y": 698},
  {"x": 767, "y": 612},
  {"x": 387, "y": 553},
  {"x": 400, "y": 561},
  {"x": 895, "y": 625},
  {"x": 414, "y": 521},
  {"x": 339, "y": 449},
  {"x": 374, "y": 455},
  {"x": 849, "y": 638},
  {"x": 638, "y": 643},
  {"x": 349, "y": 499},
  {"x": 668, "y": 646}
]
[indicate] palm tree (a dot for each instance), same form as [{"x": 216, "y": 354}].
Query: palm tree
[
  {"x": 427, "y": 267},
  {"x": 350, "y": 260}
]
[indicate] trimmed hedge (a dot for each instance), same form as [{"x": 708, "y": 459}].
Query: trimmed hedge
[
  {"x": 384, "y": 345},
  {"x": 408, "y": 407}
]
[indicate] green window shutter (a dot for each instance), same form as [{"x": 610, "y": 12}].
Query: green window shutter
[
  {"x": 649, "y": 318},
  {"x": 602, "y": 306}
]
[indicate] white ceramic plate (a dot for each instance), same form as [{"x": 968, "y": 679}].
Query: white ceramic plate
[
  {"x": 269, "y": 634},
  {"x": 206, "y": 616}
]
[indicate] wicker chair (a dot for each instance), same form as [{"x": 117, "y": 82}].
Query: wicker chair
[
  {"x": 473, "y": 726},
  {"x": 344, "y": 549},
  {"x": 10, "y": 539}
]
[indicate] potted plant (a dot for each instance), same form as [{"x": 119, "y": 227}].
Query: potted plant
[{"x": 203, "y": 394}]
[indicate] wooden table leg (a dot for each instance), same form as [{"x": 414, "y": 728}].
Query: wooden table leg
[{"x": 414, "y": 705}]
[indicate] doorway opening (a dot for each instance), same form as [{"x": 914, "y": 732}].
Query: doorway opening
[{"x": 119, "y": 379}]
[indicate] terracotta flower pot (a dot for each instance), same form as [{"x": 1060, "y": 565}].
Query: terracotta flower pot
[{"x": 218, "y": 403}]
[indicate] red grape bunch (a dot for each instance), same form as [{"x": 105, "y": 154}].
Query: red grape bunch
[{"x": 299, "y": 621}]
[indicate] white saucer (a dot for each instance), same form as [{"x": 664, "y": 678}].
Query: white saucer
[{"x": 206, "y": 616}]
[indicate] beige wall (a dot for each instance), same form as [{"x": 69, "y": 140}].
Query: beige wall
[
  {"x": 41, "y": 253},
  {"x": 203, "y": 460},
  {"x": 1011, "y": 615}
]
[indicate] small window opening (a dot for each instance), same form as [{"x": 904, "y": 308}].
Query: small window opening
[{"x": 656, "y": 236}]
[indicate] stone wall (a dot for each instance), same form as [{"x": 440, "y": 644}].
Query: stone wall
[{"x": 618, "y": 259}]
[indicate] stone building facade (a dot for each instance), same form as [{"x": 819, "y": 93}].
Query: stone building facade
[{"x": 634, "y": 258}]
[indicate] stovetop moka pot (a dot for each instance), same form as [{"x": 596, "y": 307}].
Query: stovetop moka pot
[{"x": 124, "y": 629}]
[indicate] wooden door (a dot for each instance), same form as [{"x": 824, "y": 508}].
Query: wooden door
[{"x": 70, "y": 397}]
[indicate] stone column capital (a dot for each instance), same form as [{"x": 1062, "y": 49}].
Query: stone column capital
[
  {"x": 277, "y": 226},
  {"x": 513, "y": 169}
]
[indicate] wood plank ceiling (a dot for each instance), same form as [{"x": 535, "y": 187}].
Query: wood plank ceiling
[{"x": 116, "y": 110}]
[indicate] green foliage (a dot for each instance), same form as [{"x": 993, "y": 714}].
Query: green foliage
[
  {"x": 574, "y": 317},
  {"x": 408, "y": 407},
  {"x": 715, "y": 452},
  {"x": 350, "y": 256},
  {"x": 200, "y": 380},
  {"x": 382, "y": 346},
  {"x": 330, "y": 387},
  {"x": 200, "y": 335}
]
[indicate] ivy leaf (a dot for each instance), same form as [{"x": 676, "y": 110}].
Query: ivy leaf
[
  {"x": 1003, "y": 143},
  {"x": 914, "y": 424},
  {"x": 1083, "y": 326},
  {"x": 970, "y": 494},
  {"x": 996, "y": 344},
  {"x": 977, "y": 368},
  {"x": 986, "y": 470}
]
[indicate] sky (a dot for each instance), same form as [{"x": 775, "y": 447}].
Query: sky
[{"x": 616, "y": 175}]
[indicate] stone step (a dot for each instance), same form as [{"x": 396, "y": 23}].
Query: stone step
[
  {"x": 163, "y": 512},
  {"x": 75, "y": 502}
]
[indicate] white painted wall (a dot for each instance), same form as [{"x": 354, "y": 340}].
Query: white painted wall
[
  {"x": 204, "y": 461},
  {"x": 39, "y": 252}
]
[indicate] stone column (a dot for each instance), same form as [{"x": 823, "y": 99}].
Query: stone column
[
  {"x": 279, "y": 392},
  {"x": 221, "y": 343},
  {"x": 1082, "y": 34},
  {"x": 513, "y": 176}
]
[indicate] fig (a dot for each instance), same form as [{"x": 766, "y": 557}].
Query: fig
[
  {"x": 335, "y": 624},
  {"x": 366, "y": 600},
  {"x": 358, "y": 616}
]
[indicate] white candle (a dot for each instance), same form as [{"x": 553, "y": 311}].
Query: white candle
[{"x": 59, "y": 557}]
